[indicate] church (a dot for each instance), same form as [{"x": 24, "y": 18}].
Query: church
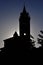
[{"x": 19, "y": 44}]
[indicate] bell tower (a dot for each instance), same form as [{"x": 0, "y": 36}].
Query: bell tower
[{"x": 24, "y": 23}]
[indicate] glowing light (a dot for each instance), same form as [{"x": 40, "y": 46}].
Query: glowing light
[{"x": 24, "y": 33}]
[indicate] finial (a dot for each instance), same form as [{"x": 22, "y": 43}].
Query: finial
[
  {"x": 24, "y": 9},
  {"x": 24, "y": 2}
]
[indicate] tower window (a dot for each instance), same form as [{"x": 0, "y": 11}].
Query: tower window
[{"x": 24, "y": 33}]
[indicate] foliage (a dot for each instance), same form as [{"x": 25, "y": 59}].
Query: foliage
[
  {"x": 40, "y": 38},
  {"x": 32, "y": 40}
]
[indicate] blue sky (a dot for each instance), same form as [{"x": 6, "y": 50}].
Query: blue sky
[{"x": 9, "y": 17}]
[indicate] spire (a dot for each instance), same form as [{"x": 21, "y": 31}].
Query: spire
[{"x": 24, "y": 9}]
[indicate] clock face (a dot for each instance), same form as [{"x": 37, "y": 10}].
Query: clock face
[{"x": 24, "y": 34}]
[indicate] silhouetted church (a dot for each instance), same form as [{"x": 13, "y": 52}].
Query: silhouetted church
[
  {"x": 24, "y": 23},
  {"x": 20, "y": 44}
]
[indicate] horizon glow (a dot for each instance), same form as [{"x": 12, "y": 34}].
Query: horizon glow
[{"x": 9, "y": 17}]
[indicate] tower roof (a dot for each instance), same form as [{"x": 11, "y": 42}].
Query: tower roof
[
  {"x": 24, "y": 9},
  {"x": 15, "y": 34}
]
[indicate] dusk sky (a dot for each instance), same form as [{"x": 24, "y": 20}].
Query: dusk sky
[{"x": 9, "y": 17}]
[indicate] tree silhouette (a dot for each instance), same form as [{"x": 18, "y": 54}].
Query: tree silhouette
[
  {"x": 40, "y": 38},
  {"x": 32, "y": 41}
]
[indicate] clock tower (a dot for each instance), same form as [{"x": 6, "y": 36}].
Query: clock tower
[{"x": 24, "y": 23}]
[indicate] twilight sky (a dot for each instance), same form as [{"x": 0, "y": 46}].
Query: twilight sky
[{"x": 9, "y": 17}]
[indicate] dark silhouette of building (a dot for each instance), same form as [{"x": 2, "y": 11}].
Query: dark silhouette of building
[
  {"x": 19, "y": 45},
  {"x": 22, "y": 46},
  {"x": 24, "y": 23}
]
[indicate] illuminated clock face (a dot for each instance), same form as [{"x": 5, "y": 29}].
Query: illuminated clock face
[{"x": 24, "y": 33}]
